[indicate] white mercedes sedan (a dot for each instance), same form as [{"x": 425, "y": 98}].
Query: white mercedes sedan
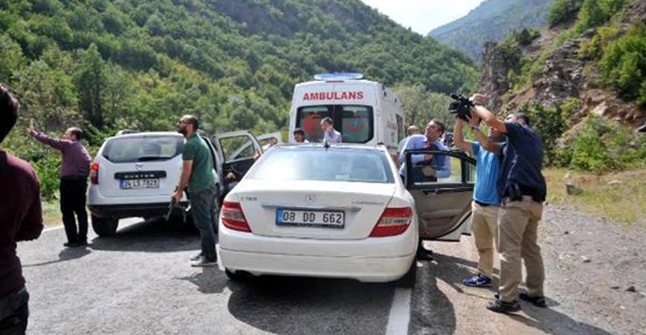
[{"x": 335, "y": 211}]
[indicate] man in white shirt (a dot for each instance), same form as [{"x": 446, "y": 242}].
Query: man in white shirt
[{"x": 331, "y": 135}]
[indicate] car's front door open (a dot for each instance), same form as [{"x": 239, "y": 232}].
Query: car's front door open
[{"x": 442, "y": 190}]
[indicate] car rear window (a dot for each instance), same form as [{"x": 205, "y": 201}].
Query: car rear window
[
  {"x": 140, "y": 149},
  {"x": 317, "y": 163}
]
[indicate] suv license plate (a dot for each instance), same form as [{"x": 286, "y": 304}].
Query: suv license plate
[
  {"x": 306, "y": 218},
  {"x": 127, "y": 184}
]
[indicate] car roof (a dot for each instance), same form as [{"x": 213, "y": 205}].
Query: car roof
[
  {"x": 148, "y": 134},
  {"x": 353, "y": 146}
]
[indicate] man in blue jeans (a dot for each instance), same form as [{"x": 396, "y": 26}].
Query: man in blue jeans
[
  {"x": 20, "y": 220},
  {"x": 198, "y": 176}
]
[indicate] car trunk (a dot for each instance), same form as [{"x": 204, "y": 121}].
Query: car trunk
[
  {"x": 139, "y": 179},
  {"x": 314, "y": 209}
]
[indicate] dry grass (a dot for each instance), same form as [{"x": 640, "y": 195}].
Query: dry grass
[
  {"x": 51, "y": 214},
  {"x": 619, "y": 197}
]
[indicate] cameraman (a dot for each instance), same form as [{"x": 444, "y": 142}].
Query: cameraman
[
  {"x": 522, "y": 188},
  {"x": 20, "y": 220},
  {"x": 484, "y": 208}
]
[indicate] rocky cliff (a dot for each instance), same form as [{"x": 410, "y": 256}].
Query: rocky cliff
[{"x": 565, "y": 74}]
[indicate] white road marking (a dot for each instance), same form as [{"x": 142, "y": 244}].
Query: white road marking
[
  {"x": 52, "y": 228},
  {"x": 399, "y": 312}
]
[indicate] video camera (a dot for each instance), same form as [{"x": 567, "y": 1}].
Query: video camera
[{"x": 461, "y": 107}]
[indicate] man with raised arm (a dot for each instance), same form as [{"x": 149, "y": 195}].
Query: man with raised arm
[
  {"x": 74, "y": 171},
  {"x": 522, "y": 189},
  {"x": 484, "y": 208}
]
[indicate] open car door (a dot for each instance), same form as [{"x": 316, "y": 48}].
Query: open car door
[
  {"x": 238, "y": 150},
  {"x": 442, "y": 199}
]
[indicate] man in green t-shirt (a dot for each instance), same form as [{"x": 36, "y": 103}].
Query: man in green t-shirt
[{"x": 197, "y": 174}]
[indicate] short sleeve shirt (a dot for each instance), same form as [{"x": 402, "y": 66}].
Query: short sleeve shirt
[
  {"x": 487, "y": 171},
  {"x": 202, "y": 172}
]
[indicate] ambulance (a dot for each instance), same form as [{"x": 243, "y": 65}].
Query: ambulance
[{"x": 363, "y": 111}]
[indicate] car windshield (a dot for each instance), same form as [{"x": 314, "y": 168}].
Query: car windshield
[
  {"x": 317, "y": 163},
  {"x": 143, "y": 148}
]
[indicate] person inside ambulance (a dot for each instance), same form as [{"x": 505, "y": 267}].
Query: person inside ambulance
[
  {"x": 331, "y": 135},
  {"x": 299, "y": 136}
]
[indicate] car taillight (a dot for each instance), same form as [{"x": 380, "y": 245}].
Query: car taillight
[
  {"x": 233, "y": 218},
  {"x": 394, "y": 221},
  {"x": 94, "y": 173}
]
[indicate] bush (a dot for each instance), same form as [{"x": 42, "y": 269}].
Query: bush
[
  {"x": 623, "y": 64},
  {"x": 550, "y": 124},
  {"x": 563, "y": 11},
  {"x": 601, "y": 146}
]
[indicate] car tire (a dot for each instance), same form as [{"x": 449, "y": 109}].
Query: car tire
[
  {"x": 409, "y": 279},
  {"x": 238, "y": 276},
  {"x": 104, "y": 227}
]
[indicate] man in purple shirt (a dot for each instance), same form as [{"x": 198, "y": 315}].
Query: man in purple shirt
[
  {"x": 74, "y": 172},
  {"x": 21, "y": 219}
]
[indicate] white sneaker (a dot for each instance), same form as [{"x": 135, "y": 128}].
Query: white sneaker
[
  {"x": 203, "y": 262},
  {"x": 196, "y": 257}
]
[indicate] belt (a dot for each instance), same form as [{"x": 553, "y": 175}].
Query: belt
[
  {"x": 73, "y": 177},
  {"x": 482, "y": 203}
]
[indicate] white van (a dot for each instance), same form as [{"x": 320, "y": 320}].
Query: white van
[{"x": 363, "y": 111}]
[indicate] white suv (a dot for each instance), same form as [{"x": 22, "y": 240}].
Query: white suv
[{"x": 135, "y": 174}]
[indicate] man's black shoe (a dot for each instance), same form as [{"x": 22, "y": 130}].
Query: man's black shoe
[
  {"x": 537, "y": 301},
  {"x": 70, "y": 244},
  {"x": 424, "y": 254},
  {"x": 500, "y": 306}
]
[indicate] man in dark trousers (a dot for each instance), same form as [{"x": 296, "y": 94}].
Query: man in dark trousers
[
  {"x": 74, "y": 172},
  {"x": 198, "y": 175},
  {"x": 20, "y": 220},
  {"x": 522, "y": 189}
]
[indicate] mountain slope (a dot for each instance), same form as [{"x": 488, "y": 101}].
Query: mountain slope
[
  {"x": 113, "y": 64},
  {"x": 492, "y": 20}
]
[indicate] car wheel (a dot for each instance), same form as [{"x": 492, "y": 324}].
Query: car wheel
[
  {"x": 104, "y": 226},
  {"x": 239, "y": 276}
]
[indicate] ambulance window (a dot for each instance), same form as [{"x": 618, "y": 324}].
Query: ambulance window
[
  {"x": 309, "y": 119},
  {"x": 356, "y": 123}
]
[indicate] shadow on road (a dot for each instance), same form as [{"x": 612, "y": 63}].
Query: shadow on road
[
  {"x": 431, "y": 310},
  {"x": 66, "y": 254},
  {"x": 546, "y": 320},
  {"x": 210, "y": 281},
  {"x": 155, "y": 235},
  {"x": 289, "y": 305}
]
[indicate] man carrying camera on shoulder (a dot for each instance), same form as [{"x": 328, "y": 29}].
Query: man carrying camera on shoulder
[{"x": 522, "y": 189}]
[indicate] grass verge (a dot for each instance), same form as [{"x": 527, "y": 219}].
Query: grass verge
[
  {"x": 619, "y": 197},
  {"x": 51, "y": 214}
]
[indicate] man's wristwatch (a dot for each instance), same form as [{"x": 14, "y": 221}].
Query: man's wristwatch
[{"x": 474, "y": 127}]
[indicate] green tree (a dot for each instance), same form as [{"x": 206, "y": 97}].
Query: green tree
[{"x": 90, "y": 81}]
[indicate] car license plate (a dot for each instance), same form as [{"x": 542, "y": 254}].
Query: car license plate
[
  {"x": 307, "y": 218},
  {"x": 139, "y": 183}
]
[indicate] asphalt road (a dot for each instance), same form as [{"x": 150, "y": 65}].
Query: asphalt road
[{"x": 140, "y": 282}]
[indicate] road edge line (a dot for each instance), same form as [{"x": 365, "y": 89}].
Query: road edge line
[{"x": 399, "y": 316}]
